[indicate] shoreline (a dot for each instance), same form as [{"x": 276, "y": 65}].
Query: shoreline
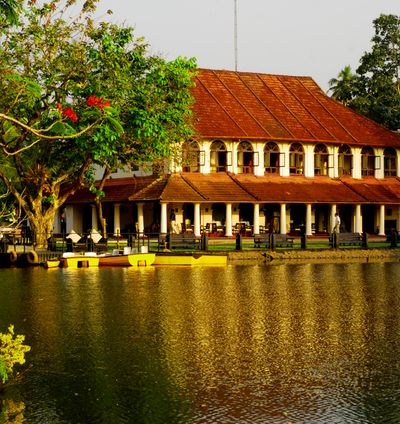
[{"x": 315, "y": 256}]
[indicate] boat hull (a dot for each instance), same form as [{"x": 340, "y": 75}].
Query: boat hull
[
  {"x": 79, "y": 261},
  {"x": 166, "y": 259},
  {"x": 131, "y": 259},
  {"x": 52, "y": 263}
]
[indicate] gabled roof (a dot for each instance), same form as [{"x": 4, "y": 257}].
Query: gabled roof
[
  {"x": 385, "y": 191},
  {"x": 115, "y": 190},
  {"x": 247, "y": 188},
  {"x": 166, "y": 188},
  {"x": 243, "y": 105},
  {"x": 298, "y": 189},
  {"x": 220, "y": 187}
]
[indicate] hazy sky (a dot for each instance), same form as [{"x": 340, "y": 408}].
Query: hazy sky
[{"x": 291, "y": 37}]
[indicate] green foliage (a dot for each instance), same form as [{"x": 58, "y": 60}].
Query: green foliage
[
  {"x": 77, "y": 94},
  {"x": 3, "y": 371},
  {"x": 12, "y": 351},
  {"x": 342, "y": 86},
  {"x": 9, "y": 10},
  {"x": 374, "y": 90}
]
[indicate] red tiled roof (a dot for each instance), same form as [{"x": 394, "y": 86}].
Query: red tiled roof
[
  {"x": 167, "y": 188},
  {"x": 218, "y": 187},
  {"x": 297, "y": 189},
  {"x": 385, "y": 191},
  {"x": 247, "y": 188},
  {"x": 116, "y": 190},
  {"x": 243, "y": 105}
]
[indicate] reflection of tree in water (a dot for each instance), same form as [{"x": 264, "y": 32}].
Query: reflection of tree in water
[{"x": 12, "y": 411}]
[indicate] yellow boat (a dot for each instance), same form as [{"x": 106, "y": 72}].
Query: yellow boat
[
  {"x": 70, "y": 260},
  {"x": 52, "y": 263},
  {"x": 131, "y": 259},
  {"x": 196, "y": 259}
]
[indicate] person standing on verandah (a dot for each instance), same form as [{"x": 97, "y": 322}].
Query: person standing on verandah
[{"x": 336, "y": 228}]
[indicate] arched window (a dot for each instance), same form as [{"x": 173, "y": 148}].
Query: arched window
[
  {"x": 296, "y": 159},
  {"x": 218, "y": 157},
  {"x": 367, "y": 161},
  {"x": 271, "y": 158},
  {"x": 320, "y": 160},
  {"x": 190, "y": 157},
  {"x": 345, "y": 160},
  {"x": 390, "y": 162},
  {"x": 245, "y": 158}
]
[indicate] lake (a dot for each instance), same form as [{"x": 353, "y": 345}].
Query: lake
[{"x": 288, "y": 343}]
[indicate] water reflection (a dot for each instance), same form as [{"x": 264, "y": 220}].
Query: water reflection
[{"x": 248, "y": 344}]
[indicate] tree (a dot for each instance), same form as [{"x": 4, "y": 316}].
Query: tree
[
  {"x": 342, "y": 86},
  {"x": 374, "y": 90},
  {"x": 10, "y": 9},
  {"x": 77, "y": 94}
]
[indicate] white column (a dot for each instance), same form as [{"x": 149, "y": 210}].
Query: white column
[
  {"x": 356, "y": 162},
  {"x": 382, "y": 220},
  {"x": 70, "y": 219},
  {"x": 308, "y": 160},
  {"x": 205, "y": 147},
  {"x": 358, "y": 222},
  {"x": 379, "y": 159},
  {"x": 284, "y": 149},
  {"x": 140, "y": 218},
  {"x": 259, "y": 169},
  {"x": 256, "y": 219},
  {"x": 283, "y": 219},
  {"x": 95, "y": 224},
  {"x": 228, "y": 219},
  {"x": 308, "y": 220},
  {"x": 197, "y": 232},
  {"x": 333, "y": 161},
  {"x": 234, "y": 166},
  {"x": 332, "y": 222},
  {"x": 163, "y": 220},
  {"x": 117, "y": 219}
]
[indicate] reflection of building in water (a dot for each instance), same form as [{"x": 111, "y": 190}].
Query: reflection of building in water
[
  {"x": 298, "y": 325},
  {"x": 266, "y": 145}
]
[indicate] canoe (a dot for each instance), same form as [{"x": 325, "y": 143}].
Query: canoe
[
  {"x": 52, "y": 263},
  {"x": 70, "y": 260},
  {"x": 131, "y": 259},
  {"x": 176, "y": 259}
]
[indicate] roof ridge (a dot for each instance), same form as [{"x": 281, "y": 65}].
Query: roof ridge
[
  {"x": 154, "y": 182},
  {"x": 233, "y": 178},
  {"x": 284, "y": 105},
  {"x": 301, "y": 104},
  {"x": 352, "y": 189},
  {"x": 218, "y": 102},
  {"x": 193, "y": 187},
  {"x": 241, "y": 103},
  {"x": 329, "y": 113}
]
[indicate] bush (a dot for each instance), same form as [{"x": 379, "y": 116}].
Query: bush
[{"x": 12, "y": 351}]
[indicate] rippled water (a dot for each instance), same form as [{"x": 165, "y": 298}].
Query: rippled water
[{"x": 242, "y": 344}]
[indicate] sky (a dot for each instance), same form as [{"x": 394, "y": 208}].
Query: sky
[{"x": 316, "y": 38}]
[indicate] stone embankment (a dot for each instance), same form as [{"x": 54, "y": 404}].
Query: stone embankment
[{"x": 316, "y": 256}]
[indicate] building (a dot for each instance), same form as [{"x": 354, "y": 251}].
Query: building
[{"x": 272, "y": 153}]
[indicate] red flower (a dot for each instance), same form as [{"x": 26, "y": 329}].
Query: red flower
[
  {"x": 97, "y": 102},
  {"x": 69, "y": 113},
  {"x": 104, "y": 104},
  {"x": 91, "y": 101}
]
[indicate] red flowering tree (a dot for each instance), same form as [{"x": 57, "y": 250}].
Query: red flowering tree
[{"x": 75, "y": 94}]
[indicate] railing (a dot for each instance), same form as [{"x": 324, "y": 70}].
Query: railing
[{"x": 156, "y": 242}]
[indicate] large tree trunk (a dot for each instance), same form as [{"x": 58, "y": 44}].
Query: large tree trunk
[
  {"x": 99, "y": 205},
  {"x": 41, "y": 223}
]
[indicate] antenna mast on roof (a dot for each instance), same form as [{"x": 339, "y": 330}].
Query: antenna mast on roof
[{"x": 236, "y": 36}]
